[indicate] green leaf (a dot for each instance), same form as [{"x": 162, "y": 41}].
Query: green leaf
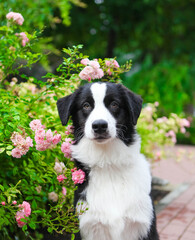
[
  {"x": 32, "y": 225},
  {"x": 9, "y": 153},
  {"x": 29, "y": 198},
  {"x": 2, "y": 150},
  {"x": 34, "y": 204},
  {"x": 72, "y": 237},
  {"x": 9, "y": 199},
  {"x": 9, "y": 147},
  {"x": 17, "y": 118},
  {"x": 24, "y": 228},
  {"x": 2, "y": 187},
  {"x": 50, "y": 230}
]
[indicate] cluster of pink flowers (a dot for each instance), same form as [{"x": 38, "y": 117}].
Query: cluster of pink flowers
[
  {"x": 44, "y": 139},
  {"x": 112, "y": 64},
  {"x": 25, "y": 211},
  {"x": 65, "y": 147},
  {"x": 91, "y": 71},
  {"x": 78, "y": 176},
  {"x": 23, "y": 38},
  {"x": 162, "y": 120},
  {"x": 22, "y": 145},
  {"x": 16, "y": 17},
  {"x": 172, "y": 135}
]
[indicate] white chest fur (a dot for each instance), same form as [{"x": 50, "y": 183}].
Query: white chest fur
[{"x": 118, "y": 191}]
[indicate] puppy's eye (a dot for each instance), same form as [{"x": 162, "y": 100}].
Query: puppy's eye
[
  {"x": 86, "y": 106},
  {"x": 114, "y": 105}
]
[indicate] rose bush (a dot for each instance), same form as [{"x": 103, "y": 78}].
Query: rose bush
[{"x": 37, "y": 174}]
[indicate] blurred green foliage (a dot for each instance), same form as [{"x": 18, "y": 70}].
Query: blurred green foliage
[
  {"x": 162, "y": 31},
  {"x": 40, "y": 14},
  {"x": 166, "y": 82}
]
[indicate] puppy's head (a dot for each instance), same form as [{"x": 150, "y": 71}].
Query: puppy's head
[{"x": 101, "y": 112}]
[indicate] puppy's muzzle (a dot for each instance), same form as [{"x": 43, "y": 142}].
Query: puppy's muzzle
[{"x": 100, "y": 129}]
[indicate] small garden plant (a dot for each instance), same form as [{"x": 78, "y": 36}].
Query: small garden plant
[{"x": 37, "y": 175}]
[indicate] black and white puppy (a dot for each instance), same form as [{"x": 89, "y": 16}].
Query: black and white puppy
[{"x": 118, "y": 180}]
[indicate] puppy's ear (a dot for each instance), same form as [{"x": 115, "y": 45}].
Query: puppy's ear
[
  {"x": 134, "y": 104},
  {"x": 64, "y": 108}
]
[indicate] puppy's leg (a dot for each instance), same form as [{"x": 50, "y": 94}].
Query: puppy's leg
[
  {"x": 96, "y": 231},
  {"x": 152, "y": 234}
]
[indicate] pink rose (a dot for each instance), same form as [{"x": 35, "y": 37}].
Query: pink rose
[
  {"x": 35, "y": 124},
  {"x": 23, "y": 148},
  {"x": 99, "y": 74},
  {"x": 25, "y": 211},
  {"x": 20, "y": 215},
  {"x": 49, "y": 135},
  {"x": 112, "y": 63},
  {"x": 183, "y": 130},
  {"x": 171, "y": 134},
  {"x": 16, "y": 152},
  {"x": 53, "y": 196},
  {"x": 184, "y": 123},
  {"x": 108, "y": 63},
  {"x": 109, "y": 72},
  {"x": 16, "y": 17},
  {"x": 3, "y": 203},
  {"x": 65, "y": 148},
  {"x": 70, "y": 128},
  {"x": 78, "y": 176},
  {"x": 59, "y": 167},
  {"x": 23, "y": 37},
  {"x": 61, "y": 178},
  {"x": 85, "y": 61},
  {"x": 39, "y": 135},
  {"x": 42, "y": 146},
  {"x": 116, "y": 64},
  {"x": 56, "y": 139},
  {"x": 25, "y": 207},
  {"x": 162, "y": 120},
  {"x": 94, "y": 64},
  {"x": 16, "y": 138},
  {"x": 86, "y": 73},
  {"x": 29, "y": 142},
  {"x": 64, "y": 191},
  {"x": 156, "y": 104}
]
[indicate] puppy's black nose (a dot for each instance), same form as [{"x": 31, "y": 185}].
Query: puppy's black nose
[{"x": 99, "y": 126}]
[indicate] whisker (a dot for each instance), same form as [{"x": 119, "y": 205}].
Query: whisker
[
  {"x": 121, "y": 126},
  {"x": 78, "y": 134}
]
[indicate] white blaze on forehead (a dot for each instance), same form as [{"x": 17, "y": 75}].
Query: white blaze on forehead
[{"x": 98, "y": 91}]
